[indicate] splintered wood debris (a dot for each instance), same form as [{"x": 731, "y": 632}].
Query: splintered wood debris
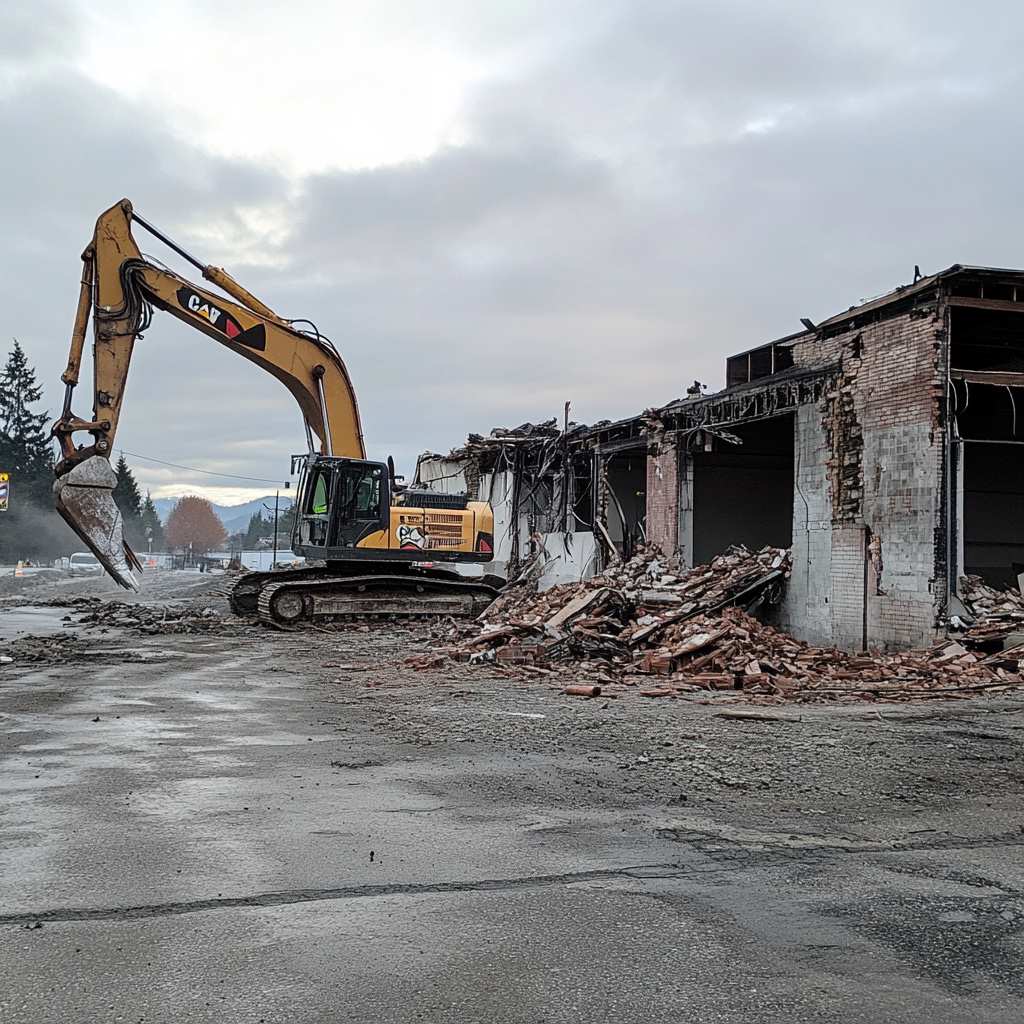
[
  {"x": 996, "y": 613},
  {"x": 651, "y": 627}
]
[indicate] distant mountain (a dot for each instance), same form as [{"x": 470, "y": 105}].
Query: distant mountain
[{"x": 234, "y": 517}]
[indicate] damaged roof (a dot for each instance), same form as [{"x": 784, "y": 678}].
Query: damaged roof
[
  {"x": 881, "y": 306},
  {"x": 916, "y": 288},
  {"x": 793, "y": 374}
]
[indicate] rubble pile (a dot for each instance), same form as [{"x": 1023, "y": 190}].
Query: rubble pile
[
  {"x": 145, "y": 618},
  {"x": 549, "y": 430},
  {"x": 667, "y": 631},
  {"x": 996, "y": 613},
  {"x": 613, "y": 618},
  {"x": 60, "y": 649},
  {"x": 649, "y": 587},
  {"x": 734, "y": 651}
]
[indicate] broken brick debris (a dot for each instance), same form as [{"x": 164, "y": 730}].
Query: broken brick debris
[
  {"x": 689, "y": 631},
  {"x": 995, "y": 613}
]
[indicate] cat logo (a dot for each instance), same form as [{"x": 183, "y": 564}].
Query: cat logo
[
  {"x": 222, "y": 321},
  {"x": 204, "y": 309}
]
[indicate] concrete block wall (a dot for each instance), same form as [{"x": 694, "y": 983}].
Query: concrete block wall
[
  {"x": 867, "y": 500},
  {"x": 685, "y": 548},
  {"x": 806, "y": 610},
  {"x": 885, "y": 480}
]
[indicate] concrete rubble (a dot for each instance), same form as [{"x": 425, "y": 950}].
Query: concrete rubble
[
  {"x": 651, "y": 627},
  {"x": 144, "y": 618}
]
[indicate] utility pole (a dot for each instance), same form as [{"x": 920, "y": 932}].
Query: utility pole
[
  {"x": 277, "y": 504},
  {"x": 277, "y": 498}
]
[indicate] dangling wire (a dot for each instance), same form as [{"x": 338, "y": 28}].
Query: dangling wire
[{"x": 137, "y": 309}]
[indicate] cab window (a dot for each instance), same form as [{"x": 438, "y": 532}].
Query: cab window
[
  {"x": 360, "y": 494},
  {"x": 320, "y": 493}
]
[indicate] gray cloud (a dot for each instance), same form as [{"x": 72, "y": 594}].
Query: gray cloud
[
  {"x": 36, "y": 29},
  {"x": 645, "y": 188}
]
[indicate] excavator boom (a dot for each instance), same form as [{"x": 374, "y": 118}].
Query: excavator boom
[{"x": 120, "y": 288}]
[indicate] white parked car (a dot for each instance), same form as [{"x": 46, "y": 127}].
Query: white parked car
[{"x": 84, "y": 562}]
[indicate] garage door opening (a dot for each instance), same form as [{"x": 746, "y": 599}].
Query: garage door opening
[
  {"x": 993, "y": 512},
  {"x": 626, "y": 489},
  {"x": 743, "y": 494},
  {"x": 986, "y": 396}
]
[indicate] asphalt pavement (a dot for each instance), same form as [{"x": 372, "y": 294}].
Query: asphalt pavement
[{"x": 242, "y": 826}]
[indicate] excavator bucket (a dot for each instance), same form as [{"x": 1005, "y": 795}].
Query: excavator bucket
[{"x": 85, "y": 498}]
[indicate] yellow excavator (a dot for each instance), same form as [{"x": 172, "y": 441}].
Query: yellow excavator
[{"x": 377, "y": 543}]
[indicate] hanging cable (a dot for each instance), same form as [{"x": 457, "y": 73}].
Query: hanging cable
[{"x": 193, "y": 469}]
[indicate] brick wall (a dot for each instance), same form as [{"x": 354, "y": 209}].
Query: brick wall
[
  {"x": 868, "y": 463},
  {"x": 847, "y": 577},
  {"x": 884, "y": 472},
  {"x": 663, "y": 494}
]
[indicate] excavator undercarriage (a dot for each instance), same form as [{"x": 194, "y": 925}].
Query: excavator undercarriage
[{"x": 290, "y": 598}]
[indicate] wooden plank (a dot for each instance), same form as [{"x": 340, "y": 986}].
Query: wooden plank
[
  {"x": 742, "y": 715},
  {"x": 642, "y": 634},
  {"x": 1003, "y": 378},
  {"x": 574, "y": 607},
  {"x": 1001, "y": 305}
]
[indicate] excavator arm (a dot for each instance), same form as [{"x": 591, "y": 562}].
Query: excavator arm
[{"x": 120, "y": 288}]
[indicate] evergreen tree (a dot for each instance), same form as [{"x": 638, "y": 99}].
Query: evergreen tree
[
  {"x": 24, "y": 440},
  {"x": 285, "y": 524},
  {"x": 258, "y": 528},
  {"x": 19, "y": 390},
  {"x": 127, "y": 496},
  {"x": 129, "y": 502},
  {"x": 152, "y": 528},
  {"x": 31, "y": 527}
]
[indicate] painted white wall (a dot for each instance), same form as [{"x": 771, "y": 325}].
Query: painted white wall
[{"x": 571, "y": 556}]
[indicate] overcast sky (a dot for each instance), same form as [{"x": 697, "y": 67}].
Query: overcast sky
[{"x": 492, "y": 207}]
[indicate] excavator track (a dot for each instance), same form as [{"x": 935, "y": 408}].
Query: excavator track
[
  {"x": 295, "y": 602},
  {"x": 244, "y": 596}
]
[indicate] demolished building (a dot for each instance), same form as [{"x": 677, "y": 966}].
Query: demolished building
[{"x": 881, "y": 445}]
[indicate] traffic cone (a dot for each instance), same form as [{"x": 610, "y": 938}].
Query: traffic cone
[{"x": 19, "y": 569}]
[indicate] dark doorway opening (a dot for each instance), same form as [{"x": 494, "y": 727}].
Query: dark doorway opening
[
  {"x": 743, "y": 494},
  {"x": 993, "y": 517},
  {"x": 986, "y": 404},
  {"x": 626, "y": 482}
]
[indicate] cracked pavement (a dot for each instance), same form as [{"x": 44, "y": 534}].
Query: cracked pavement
[{"x": 249, "y": 826}]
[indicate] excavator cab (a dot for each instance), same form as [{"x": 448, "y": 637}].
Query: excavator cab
[
  {"x": 340, "y": 502},
  {"x": 353, "y": 510}
]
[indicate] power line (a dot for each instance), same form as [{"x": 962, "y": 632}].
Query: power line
[{"x": 193, "y": 469}]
